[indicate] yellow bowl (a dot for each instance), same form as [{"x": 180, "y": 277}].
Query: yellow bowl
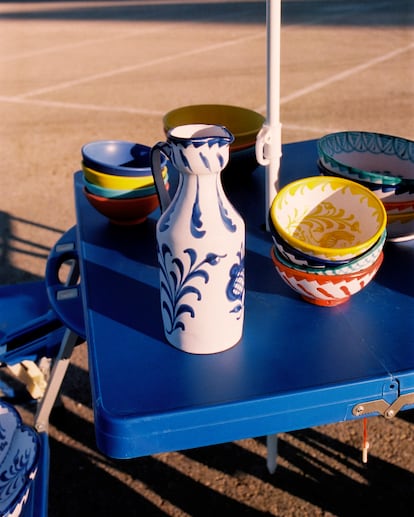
[
  {"x": 243, "y": 123},
  {"x": 328, "y": 217},
  {"x": 119, "y": 182}
]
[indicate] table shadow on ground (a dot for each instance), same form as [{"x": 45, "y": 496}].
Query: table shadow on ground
[
  {"x": 313, "y": 467},
  {"x": 16, "y": 239}
]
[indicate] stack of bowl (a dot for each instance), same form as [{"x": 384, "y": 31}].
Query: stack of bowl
[
  {"x": 118, "y": 180},
  {"x": 328, "y": 236},
  {"x": 382, "y": 163},
  {"x": 243, "y": 123}
]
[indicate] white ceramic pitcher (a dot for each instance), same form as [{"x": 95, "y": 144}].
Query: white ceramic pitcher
[{"x": 200, "y": 243}]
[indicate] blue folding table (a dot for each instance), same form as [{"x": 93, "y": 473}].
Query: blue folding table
[{"x": 297, "y": 366}]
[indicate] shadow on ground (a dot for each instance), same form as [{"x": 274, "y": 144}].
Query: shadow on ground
[{"x": 324, "y": 12}]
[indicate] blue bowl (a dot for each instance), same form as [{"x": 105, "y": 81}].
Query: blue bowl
[{"x": 119, "y": 158}]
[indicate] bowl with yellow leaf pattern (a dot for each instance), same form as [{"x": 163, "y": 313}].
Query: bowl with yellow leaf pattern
[{"x": 329, "y": 218}]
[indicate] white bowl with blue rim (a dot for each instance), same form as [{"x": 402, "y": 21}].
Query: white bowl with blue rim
[{"x": 383, "y": 163}]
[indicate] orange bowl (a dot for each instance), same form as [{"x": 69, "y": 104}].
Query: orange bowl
[
  {"x": 325, "y": 290},
  {"x": 123, "y": 211}
]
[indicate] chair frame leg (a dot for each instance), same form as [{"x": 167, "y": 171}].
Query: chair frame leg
[
  {"x": 57, "y": 374},
  {"x": 60, "y": 365}
]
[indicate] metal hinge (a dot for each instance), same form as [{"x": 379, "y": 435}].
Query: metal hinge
[{"x": 383, "y": 407}]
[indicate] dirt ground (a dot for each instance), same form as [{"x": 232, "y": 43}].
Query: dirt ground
[{"x": 77, "y": 71}]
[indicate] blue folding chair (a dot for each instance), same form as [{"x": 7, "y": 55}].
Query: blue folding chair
[{"x": 31, "y": 328}]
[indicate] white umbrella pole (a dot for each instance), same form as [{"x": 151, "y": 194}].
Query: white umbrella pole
[
  {"x": 269, "y": 139},
  {"x": 273, "y": 97}
]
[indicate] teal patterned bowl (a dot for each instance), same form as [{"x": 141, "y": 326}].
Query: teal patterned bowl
[{"x": 383, "y": 163}]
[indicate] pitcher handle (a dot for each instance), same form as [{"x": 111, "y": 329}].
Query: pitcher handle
[{"x": 162, "y": 192}]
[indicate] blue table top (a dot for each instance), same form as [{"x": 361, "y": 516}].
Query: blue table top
[{"x": 298, "y": 365}]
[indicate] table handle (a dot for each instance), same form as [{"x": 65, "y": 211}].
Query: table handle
[{"x": 65, "y": 296}]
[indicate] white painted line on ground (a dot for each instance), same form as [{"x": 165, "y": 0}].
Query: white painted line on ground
[
  {"x": 346, "y": 73},
  {"x": 262, "y": 109},
  {"x": 82, "y": 43},
  {"x": 139, "y": 66},
  {"x": 341, "y": 75},
  {"x": 134, "y": 111},
  {"x": 79, "y": 106},
  {"x": 310, "y": 129}
]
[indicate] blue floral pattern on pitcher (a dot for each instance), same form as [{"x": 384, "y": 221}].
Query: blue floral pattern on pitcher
[
  {"x": 177, "y": 282},
  {"x": 235, "y": 287}
]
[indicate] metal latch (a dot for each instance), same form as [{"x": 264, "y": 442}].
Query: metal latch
[{"x": 383, "y": 407}]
